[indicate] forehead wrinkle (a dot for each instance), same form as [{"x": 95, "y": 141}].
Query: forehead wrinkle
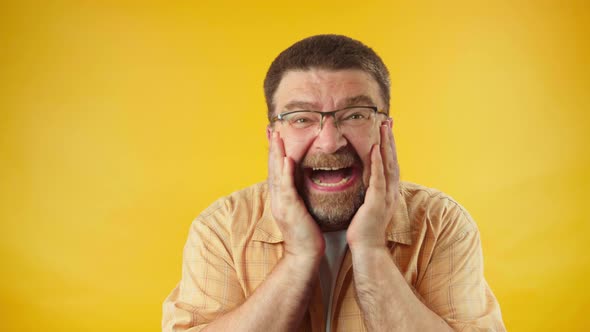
[
  {"x": 300, "y": 105},
  {"x": 325, "y": 90},
  {"x": 359, "y": 100}
]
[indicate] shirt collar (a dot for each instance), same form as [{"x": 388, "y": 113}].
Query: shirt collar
[
  {"x": 267, "y": 229},
  {"x": 398, "y": 230}
]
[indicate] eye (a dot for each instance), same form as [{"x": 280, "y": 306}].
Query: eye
[
  {"x": 302, "y": 119},
  {"x": 356, "y": 116}
]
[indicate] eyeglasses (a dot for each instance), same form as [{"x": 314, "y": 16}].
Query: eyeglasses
[{"x": 353, "y": 120}]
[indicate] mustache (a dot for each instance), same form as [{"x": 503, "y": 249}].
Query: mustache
[{"x": 341, "y": 158}]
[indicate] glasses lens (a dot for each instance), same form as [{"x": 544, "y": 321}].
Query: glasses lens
[
  {"x": 302, "y": 119},
  {"x": 355, "y": 117},
  {"x": 301, "y": 125}
]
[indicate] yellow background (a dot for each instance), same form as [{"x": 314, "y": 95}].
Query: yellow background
[{"x": 120, "y": 122}]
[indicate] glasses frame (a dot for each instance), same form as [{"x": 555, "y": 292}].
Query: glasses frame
[{"x": 281, "y": 116}]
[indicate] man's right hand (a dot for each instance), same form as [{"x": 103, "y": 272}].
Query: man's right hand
[
  {"x": 301, "y": 234},
  {"x": 295, "y": 275}
]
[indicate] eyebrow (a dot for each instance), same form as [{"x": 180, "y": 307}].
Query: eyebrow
[{"x": 360, "y": 100}]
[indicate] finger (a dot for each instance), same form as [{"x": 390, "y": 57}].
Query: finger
[
  {"x": 394, "y": 156},
  {"x": 288, "y": 191},
  {"x": 275, "y": 159},
  {"x": 391, "y": 139},
  {"x": 385, "y": 145},
  {"x": 377, "y": 181},
  {"x": 287, "y": 178},
  {"x": 389, "y": 157}
]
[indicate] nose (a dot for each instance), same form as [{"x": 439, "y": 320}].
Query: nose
[{"x": 329, "y": 139}]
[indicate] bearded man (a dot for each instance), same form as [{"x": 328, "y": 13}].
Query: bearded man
[{"x": 332, "y": 241}]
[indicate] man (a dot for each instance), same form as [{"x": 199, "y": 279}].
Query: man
[{"x": 333, "y": 240}]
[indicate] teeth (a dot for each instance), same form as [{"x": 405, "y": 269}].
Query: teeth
[
  {"x": 335, "y": 184},
  {"x": 327, "y": 168}
]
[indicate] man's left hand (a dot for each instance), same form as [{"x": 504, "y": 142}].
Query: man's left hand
[{"x": 368, "y": 226}]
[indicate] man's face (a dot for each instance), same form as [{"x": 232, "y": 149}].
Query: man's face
[{"x": 332, "y": 167}]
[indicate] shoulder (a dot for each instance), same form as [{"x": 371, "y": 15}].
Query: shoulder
[
  {"x": 435, "y": 214},
  {"x": 235, "y": 213},
  {"x": 244, "y": 200}
]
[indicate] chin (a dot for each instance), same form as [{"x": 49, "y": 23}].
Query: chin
[{"x": 334, "y": 211}]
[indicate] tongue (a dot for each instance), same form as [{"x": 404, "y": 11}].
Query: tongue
[{"x": 330, "y": 176}]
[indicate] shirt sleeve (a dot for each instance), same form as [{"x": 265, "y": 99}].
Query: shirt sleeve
[
  {"x": 454, "y": 286},
  {"x": 209, "y": 286}
]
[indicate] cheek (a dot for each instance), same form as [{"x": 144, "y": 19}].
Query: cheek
[
  {"x": 363, "y": 149},
  {"x": 294, "y": 150},
  {"x": 364, "y": 153}
]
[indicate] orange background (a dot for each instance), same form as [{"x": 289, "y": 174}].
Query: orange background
[{"x": 120, "y": 122}]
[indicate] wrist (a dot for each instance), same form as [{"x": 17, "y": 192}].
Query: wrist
[
  {"x": 305, "y": 248},
  {"x": 302, "y": 264},
  {"x": 368, "y": 249},
  {"x": 362, "y": 243}
]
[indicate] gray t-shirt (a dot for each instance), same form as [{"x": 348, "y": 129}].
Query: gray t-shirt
[{"x": 329, "y": 267}]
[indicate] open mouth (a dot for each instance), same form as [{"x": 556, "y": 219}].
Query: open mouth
[{"x": 331, "y": 178}]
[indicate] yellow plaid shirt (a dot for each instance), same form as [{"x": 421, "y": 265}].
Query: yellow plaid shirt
[{"x": 234, "y": 244}]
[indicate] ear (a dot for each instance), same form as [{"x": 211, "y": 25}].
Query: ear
[{"x": 268, "y": 132}]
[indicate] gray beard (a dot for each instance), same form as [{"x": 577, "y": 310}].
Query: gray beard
[
  {"x": 334, "y": 211},
  {"x": 331, "y": 211}
]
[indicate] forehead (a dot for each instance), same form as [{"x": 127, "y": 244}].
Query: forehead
[{"x": 325, "y": 90}]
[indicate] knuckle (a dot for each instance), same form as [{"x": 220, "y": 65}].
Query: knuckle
[{"x": 379, "y": 185}]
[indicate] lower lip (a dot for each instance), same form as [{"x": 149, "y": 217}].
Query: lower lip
[{"x": 351, "y": 181}]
